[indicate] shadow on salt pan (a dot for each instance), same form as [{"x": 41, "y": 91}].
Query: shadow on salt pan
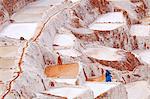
[
  {"x": 64, "y": 41},
  {"x": 108, "y": 21},
  {"x": 113, "y": 17},
  {"x": 66, "y": 93},
  {"x": 104, "y": 53},
  {"x": 100, "y": 88},
  {"x": 143, "y": 55},
  {"x": 17, "y": 30},
  {"x": 105, "y": 26}
]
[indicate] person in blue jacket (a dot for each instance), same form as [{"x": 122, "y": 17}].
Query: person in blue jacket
[{"x": 108, "y": 76}]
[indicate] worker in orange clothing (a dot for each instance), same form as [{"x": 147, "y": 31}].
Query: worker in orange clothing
[
  {"x": 102, "y": 77},
  {"x": 97, "y": 79}
]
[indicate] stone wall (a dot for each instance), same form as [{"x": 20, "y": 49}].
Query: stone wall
[
  {"x": 4, "y": 16},
  {"x": 118, "y": 92},
  {"x": 13, "y": 5}
]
